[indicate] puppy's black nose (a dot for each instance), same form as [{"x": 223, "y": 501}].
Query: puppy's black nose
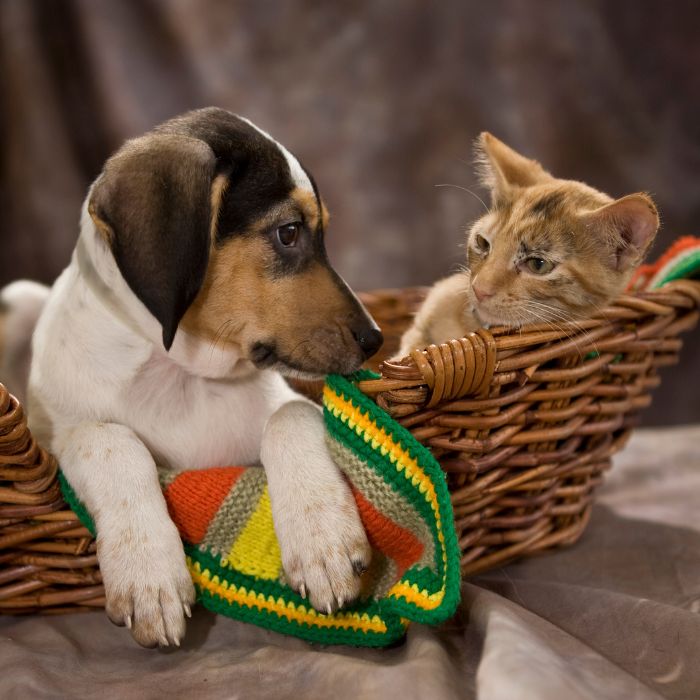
[{"x": 369, "y": 339}]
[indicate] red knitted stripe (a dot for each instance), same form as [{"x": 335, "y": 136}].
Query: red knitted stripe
[
  {"x": 385, "y": 535},
  {"x": 195, "y": 496}
]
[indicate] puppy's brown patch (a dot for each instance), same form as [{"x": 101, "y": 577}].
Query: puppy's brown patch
[{"x": 241, "y": 302}]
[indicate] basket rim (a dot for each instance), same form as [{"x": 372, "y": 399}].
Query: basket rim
[{"x": 498, "y": 354}]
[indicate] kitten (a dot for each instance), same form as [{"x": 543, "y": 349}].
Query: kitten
[{"x": 548, "y": 250}]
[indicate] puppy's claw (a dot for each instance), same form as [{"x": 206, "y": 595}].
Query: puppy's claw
[
  {"x": 302, "y": 591},
  {"x": 329, "y": 608},
  {"x": 359, "y": 567},
  {"x": 188, "y": 611},
  {"x": 340, "y": 602},
  {"x": 163, "y": 641},
  {"x": 127, "y": 621}
]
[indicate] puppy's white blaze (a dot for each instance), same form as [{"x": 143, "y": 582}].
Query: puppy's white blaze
[{"x": 299, "y": 177}]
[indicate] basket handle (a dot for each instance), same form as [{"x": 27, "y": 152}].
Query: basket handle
[{"x": 458, "y": 368}]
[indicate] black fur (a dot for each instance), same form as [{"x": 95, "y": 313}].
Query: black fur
[
  {"x": 154, "y": 195},
  {"x": 259, "y": 172}
]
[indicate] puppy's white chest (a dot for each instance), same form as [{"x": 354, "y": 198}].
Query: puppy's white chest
[{"x": 189, "y": 422}]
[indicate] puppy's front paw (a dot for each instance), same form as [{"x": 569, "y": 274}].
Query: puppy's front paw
[
  {"x": 147, "y": 584},
  {"x": 325, "y": 550}
]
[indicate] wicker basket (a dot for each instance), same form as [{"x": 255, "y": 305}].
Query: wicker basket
[{"x": 524, "y": 423}]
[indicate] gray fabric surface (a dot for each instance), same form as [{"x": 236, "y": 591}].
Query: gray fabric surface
[{"x": 615, "y": 616}]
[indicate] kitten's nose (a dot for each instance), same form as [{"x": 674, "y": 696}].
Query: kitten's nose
[{"x": 482, "y": 293}]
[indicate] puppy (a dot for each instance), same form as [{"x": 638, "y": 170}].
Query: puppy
[
  {"x": 199, "y": 279},
  {"x": 21, "y": 304}
]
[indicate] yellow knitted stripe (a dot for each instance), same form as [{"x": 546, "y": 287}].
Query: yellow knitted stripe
[
  {"x": 411, "y": 592},
  {"x": 379, "y": 440},
  {"x": 294, "y": 613},
  {"x": 256, "y": 551}
]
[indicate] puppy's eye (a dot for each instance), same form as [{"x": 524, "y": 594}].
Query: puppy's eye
[
  {"x": 482, "y": 245},
  {"x": 539, "y": 266},
  {"x": 288, "y": 234}
]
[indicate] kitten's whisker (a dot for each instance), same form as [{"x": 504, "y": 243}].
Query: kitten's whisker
[
  {"x": 561, "y": 318},
  {"x": 465, "y": 189},
  {"x": 532, "y": 308}
]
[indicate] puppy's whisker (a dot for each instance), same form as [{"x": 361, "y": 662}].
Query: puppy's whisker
[{"x": 217, "y": 336}]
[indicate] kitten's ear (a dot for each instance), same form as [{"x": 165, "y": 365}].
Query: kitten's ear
[
  {"x": 630, "y": 224},
  {"x": 501, "y": 169}
]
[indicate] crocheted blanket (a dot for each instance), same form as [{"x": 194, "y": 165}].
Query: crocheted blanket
[
  {"x": 224, "y": 517},
  {"x": 680, "y": 261}
]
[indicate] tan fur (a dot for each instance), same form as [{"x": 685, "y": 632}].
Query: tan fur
[
  {"x": 593, "y": 242},
  {"x": 308, "y": 207},
  {"x": 218, "y": 188},
  {"x": 241, "y": 302},
  {"x": 103, "y": 228}
]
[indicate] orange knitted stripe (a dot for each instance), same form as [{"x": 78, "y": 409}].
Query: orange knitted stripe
[
  {"x": 391, "y": 539},
  {"x": 207, "y": 488}
]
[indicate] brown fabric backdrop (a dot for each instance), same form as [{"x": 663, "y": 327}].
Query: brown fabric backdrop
[{"x": 380, "y": 99}]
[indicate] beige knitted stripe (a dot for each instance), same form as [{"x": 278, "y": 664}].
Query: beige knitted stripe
[
  {"x": 167, "y": 476},
  {"x": 384, "y": 498},
  {"x": 235, "y": 511}
]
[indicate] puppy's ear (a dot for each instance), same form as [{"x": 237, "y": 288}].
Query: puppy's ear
[
  {"x": 153, "y": 206},
  {"x": 628, "y": 225},
  {"x": 501, "y": 169}
]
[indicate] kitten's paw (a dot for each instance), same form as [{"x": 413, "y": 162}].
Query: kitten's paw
[
  {"x": 147, "y": 584},
  {"x": 324, "y": 552}
]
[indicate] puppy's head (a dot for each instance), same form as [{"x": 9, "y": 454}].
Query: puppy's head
[{"x": 219, "y": 230}]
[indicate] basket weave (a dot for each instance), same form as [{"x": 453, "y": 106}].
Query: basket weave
[{"x": 523, "y": 422}]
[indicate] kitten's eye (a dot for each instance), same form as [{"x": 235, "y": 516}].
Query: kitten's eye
[
  {"x": 288, "y": 234},
  {"x": 539, "y": 266},
  {"x": 482, "y": 244}
]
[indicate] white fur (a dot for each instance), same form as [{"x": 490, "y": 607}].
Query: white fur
[
  {"x": 111, "y": 403},
  {"x": 299, "y": 176},
  {"x": 21, "y": 304}
]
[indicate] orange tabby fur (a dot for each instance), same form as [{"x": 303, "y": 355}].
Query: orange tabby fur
[{"x": 548, "y": 250}]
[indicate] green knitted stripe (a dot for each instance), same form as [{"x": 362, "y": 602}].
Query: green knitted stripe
[
  {"x": 338, "y": 635},
  {"x": 395, "y": 628},
  {"x": 687, "y": 267},
  {"x": 76, "y": 504}
]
